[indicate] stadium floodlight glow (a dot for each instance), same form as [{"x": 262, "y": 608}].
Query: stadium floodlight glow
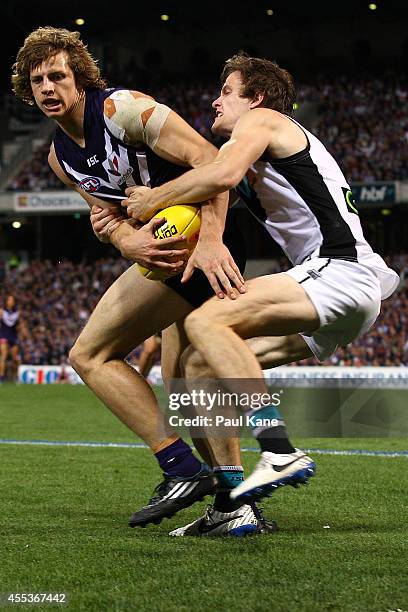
[
  {"x": 372, "y": 6},
  {"x": 269, "y": 12},
  {"x": 16, "y": 224},
  {"x": 164, "y": 17},
  {"x": 80, "y": 21}
]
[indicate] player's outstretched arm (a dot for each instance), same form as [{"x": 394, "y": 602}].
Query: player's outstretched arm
[
  {"x": 252, "y": 134},
  {"x": 138, "y": 119},
  {"x": 210, "y": 255}
]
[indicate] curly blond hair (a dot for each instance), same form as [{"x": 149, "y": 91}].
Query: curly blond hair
[{"x": 47, "y": 42}]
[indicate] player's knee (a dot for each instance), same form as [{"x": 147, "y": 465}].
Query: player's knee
[
  {"x": 196, "y": 323},
  {"x": 81, "y": 359},
  {"x": 75, "y": 358}
]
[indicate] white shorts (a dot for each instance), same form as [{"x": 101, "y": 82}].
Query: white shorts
[{"x": 347, "y": 298}]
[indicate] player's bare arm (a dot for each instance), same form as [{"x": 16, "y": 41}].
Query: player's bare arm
[
  {"x": 137, "y": 119},
  {"x": 256, "y": 131},
  {"x": 210, "y": 255},
  {"x": 110, "y": 225}
]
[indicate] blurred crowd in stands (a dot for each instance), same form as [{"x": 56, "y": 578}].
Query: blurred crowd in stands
[
  {"x": 36, "y": 175},
  {"x": 363, "y": 122},
  {"x": 56, "y": 299}
]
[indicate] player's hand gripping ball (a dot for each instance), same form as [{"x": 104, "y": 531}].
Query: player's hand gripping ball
[{"x": 181, "y": 220}]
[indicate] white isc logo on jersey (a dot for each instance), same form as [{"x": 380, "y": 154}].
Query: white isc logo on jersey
[{"x": 91, "y": 161}]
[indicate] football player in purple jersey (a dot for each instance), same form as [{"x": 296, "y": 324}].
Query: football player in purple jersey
[
  {"x": 108, "y": 140},
  {"x": 9, "y": 320}
]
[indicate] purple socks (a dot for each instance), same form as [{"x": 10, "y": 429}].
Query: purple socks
[{"x": 178, "y": 460}]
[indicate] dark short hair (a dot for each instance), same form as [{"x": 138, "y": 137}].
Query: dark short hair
[
  {"x": 262, "y": 76},
  {"x": 47, "y": 42}
]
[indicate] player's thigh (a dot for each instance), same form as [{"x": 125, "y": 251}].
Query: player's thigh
[
  {"x": 274, "y": 305},
  {"x": 3, "y": 351},
  {"x": 174, "y": 343},
  {"x": 131, "y": 310}
]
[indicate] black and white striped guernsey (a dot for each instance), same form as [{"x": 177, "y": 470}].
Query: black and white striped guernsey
[{"x": 306, "y": 205}]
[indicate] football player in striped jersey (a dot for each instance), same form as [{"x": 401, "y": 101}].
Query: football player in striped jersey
[
  {"x": 107, "y": 140},
  {"x": 9, "y": 322}
]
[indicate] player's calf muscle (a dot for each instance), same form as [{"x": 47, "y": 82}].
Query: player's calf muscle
[
  {"x": 272, "y": 351},
  {"x": 193, "y": 366}
]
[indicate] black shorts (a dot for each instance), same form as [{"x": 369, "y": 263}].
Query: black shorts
[
  {"x": 198, "y": 290},
  {"x": 10, "y": 339}
]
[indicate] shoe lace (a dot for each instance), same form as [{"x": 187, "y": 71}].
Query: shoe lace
[
  {"x": 258, "y": 512},
  {"x": 209, "y": 509},
  {"x": 262, "y": 521},
  {"x": 160, "y": 489}
]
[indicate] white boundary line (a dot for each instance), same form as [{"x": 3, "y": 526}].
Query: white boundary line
[{"x": 318, "y": 451}]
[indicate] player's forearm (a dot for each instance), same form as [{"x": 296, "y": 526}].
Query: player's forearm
[
  {"x": 213, "y": 215},
  {"x": 195, "y": 186},
  {"x": 118, "y": 235}
]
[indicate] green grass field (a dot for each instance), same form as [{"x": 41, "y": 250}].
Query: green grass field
[{"x": 64, "y": 511}]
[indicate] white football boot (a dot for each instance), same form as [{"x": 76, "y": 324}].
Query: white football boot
[
  {"x": 246, "y": 520},
  {"x": 273, "y": 471}
]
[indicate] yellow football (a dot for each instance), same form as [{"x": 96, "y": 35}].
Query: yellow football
[{"x": 181, "y": 220}]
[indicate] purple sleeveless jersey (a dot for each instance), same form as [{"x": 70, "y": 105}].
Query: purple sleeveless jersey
[
  {"x": 8, "y": 326},
  {"x": 106, "y": 166}
]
